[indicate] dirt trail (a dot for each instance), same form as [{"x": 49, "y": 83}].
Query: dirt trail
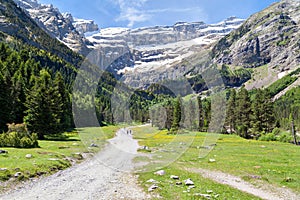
[
  {"x": 267, "y": 192},
  {"x": 105, "y": 176}
]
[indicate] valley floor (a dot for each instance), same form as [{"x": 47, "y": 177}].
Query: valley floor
[
  {"x": 108, "y": 175},
  {"x": 105, "y": 176}
]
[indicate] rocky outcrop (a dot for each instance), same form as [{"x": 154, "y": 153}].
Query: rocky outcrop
[
  {"x": 83, "y": 26},
  {"x": 268, "y": 37},
  {"x": 51, "y": 20}
]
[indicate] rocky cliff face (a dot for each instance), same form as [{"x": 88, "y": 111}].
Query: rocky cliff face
[
  {"x": 268, "y": 37},
  {"x": 55, "y": 23},
  {"x": 83, "y": 26},
  {"x": 157, "y": 51}
]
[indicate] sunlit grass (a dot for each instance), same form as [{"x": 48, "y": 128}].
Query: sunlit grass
[{"x": 255, "y": 161}]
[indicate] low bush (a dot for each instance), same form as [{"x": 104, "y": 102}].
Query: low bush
[{"x": 18, "y": 137}]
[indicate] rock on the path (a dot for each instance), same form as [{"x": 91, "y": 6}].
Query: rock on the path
[
  {"x": 189, "y": 182},
  {"x": 152, "y": 188},
  {"x": 160, "y": 172},
  {"x": 174, "y": 177},
  {"x": 94, "y": 145},
  {"x": 28, "y": 156}
]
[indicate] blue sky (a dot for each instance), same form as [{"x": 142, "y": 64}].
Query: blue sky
[{"x": 140, "y": 13}]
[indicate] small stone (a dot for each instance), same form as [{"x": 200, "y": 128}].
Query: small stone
[
  {"x": 174, "y": 177},
  {"x": 203, "y": 195},
  {"x": 3, "y": 169},
  {"x": 63, "y": 147},
  {"x": 151, "y": 181},
  {"x": 94, "y": 145},
  {"x": 28, "y": 156},
  {"x": 75, "y": 144},
  {"x": 18, "y": 174},
  {"x": 189, "y": 182},
  {"x": 191, "y": 186},
  {"x": 3, "y": 152},
  {"x": 160, "y": 172},
  {"x": 209, "y": 191},
  {"x": 152, "y": 188},
  {"x": 263, "y": 146},
  {"x": 212, "y": 160},
  {"x": 179, "y": 183},
  {"x": 53, "y": 159}
]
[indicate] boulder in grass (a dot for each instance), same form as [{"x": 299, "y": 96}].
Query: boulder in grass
[
  {"x": 152, "y": 188},
  {"x": 160, "y": 172},
  {"x": 188, "y": 182},
  {"x": 179, "y": 183},
  {"x": 3, "y": 152},
  {"x": 151, "y": 181},
  {"x": 28, "y": 156},
  {"x": 174, "y": 177}
]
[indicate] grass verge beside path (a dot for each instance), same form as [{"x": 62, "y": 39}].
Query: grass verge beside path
[
  {"x": 56, "y": 153},
  {"x": 257, "y": 162}
]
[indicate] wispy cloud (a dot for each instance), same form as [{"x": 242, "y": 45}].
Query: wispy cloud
[
  {"x": 133, "y": 12},
  {"x": 130, "y": 11}
]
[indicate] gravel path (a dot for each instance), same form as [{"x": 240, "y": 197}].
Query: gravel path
[
  {"x": 105, "y": 176},
  {"x": 267, "y": 192}
]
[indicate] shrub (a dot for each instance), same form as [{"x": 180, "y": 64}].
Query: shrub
[
  {"x": 18, "y": 137},
  {"x": 268, "y": 137},
  {"x": 285, "y": 137}
]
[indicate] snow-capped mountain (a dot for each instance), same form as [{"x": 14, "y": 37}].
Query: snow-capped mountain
[
  {"x": 156, "y": 50},
  {"x": 55, "y": 23}
]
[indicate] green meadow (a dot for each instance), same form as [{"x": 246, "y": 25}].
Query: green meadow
[{"x": 260, "y": 163}]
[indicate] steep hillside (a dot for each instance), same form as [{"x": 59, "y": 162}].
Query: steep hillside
[
  {"x": 17, "y": 24},
  {"x": 269, "y": 42},
  {"x": 56, "y": 24}
]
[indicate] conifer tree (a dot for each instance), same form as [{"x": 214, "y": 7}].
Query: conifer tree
[
  {"x": 177, "y": 114},
  {"x": 243, "y": 113},
  {"x": 44, "y": 106},
  {"x": 231, "y": 117}
]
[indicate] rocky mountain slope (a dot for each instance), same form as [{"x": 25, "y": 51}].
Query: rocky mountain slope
[
  {"x": 153, "y": 53},
  {"x": 268, "y": 41},
  {"x": 58, "y": 25},
  {"x": 15, "y": 25}
]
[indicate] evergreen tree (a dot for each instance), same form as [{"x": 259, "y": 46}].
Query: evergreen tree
[
  {"x": 243, "y": 113},
  {"x": 263, "y": 114},
  {"x": 44, "y": 106},
  {"x": 231, "y": 117},
  {"x": 200, "y": 114},
  {"x": 177, "y": 114},
  {"x": 65, "y": 115}
]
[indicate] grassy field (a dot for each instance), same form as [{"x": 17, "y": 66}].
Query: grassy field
[
  {"x": 54, "y": 154},
  {"x": 254, "y": 161}
]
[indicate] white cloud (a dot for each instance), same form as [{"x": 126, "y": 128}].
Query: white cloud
[{"x": 132, "y": 11}]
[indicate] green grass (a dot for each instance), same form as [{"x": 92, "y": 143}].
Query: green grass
[
  {"x": 273, "y": 162},
  {"x": 55, "y": 153}
]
